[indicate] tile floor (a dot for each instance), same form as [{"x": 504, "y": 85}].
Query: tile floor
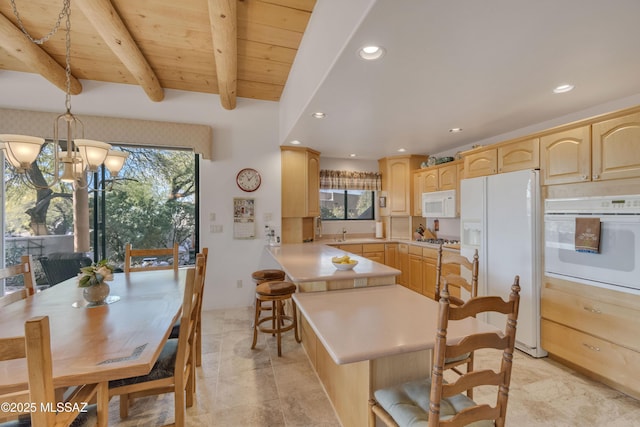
[{"x": 240, "y": 387}]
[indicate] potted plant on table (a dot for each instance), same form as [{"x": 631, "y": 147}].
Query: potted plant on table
[{"x": 93, "y": 278}]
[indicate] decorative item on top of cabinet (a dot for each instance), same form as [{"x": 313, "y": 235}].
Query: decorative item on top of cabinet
[
  {"x": 397, "y": 181},
  {"x": 565, "y": 157},
  {"x": 615, "y": 148},
  {"x": 481, "y": 163},
  {"x": 519, "y": 155}
]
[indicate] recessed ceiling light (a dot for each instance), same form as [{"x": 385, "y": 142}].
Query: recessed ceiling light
[
  {"x": 563, "y": 88},
  {"x": 402, "y": 150},
  {"x": 455, "y": 130},
  {"x": 318, "y": 115},
  {"x": 352, "y": 155},
  {"x": 295, "y": 142},
  {"x": 371, "y": 52}
]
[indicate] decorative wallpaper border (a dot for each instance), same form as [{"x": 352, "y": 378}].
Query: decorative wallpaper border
[{"x": 199, "y": 138}]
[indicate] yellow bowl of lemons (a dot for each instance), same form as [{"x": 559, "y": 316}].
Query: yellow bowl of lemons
[{"x": 344, "y": 262}]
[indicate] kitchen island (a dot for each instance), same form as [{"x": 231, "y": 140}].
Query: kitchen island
[
  {"x": 309, "y": 266},
  {"x": 360, "y": 340}
]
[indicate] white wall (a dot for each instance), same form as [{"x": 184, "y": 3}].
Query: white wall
[{"x": 244, "y": 137}]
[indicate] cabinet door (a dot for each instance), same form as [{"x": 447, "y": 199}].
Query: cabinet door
[
  {"x": 352, "y": 248},
  {"x": 481, "y": 164},
  {"x": 403, "y": 264},
  {"x": 418, "y": 189},
  {"x": 415, "y": 273},
  {"x": 616, "y": 148},
  {"x": 519, "y": 156},
  {"x": 565, "y": 157},
  {"x": 460, "y": 168},
  {"x": 429, "y": 277},
  {"x": 313, "y": 180},
  {"x": 391, "y": 255},
  {"x": 430, "y": 180},
  {"x": 399, "y": 187},
  {"x": 447, "y": 177}
]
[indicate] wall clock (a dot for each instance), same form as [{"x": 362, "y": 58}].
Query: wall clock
[{"x": 248, "y": 179}]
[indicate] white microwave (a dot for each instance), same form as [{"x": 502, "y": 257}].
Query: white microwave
[{"x": 439, "y": 204}]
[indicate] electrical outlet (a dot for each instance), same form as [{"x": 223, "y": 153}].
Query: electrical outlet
[
  {"x": 268, "y": 217},
  {"x": 239, "y": 283},
  {"x": 212, "y": 216}
]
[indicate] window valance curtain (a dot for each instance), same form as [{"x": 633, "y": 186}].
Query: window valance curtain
[{"x": 350, "y": 180}]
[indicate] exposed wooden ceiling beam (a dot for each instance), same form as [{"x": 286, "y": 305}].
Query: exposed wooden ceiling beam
[
  {"x": 17, "y": 44},
  {"x": 109, "y": 25},
  {"x": 224, "y": 32}
]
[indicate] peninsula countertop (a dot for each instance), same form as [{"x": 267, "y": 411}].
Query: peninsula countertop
[
  {"x": 311, "y": 262},
  {"x": 369, "y": 323}
]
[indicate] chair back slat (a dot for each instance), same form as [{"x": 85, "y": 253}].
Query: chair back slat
[
  {"x": 473, "y": 379},
  {"x": 446, "y": 258},
  {"x": 131, "y": 253},
  {"x": 24, "y": 269},
  {"x": 469, "y": 415}
]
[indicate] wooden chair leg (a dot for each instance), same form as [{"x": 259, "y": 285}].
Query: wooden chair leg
[
  {"x": 179, "y": 409},
  {"x": 255, "y": 323},
  {"x": 124, "y": 406},
  {"x": 278, "y": 311}
]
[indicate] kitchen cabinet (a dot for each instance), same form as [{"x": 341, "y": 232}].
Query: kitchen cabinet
[
  {"x": 481, "y": 163},
  {"x": 418, "y": 189},
  {"x": 374, "y": 251},
  {"x": 594, "y": 329},
  {"x": 615, "y": 148},
  {"x": 565, "y": 157},
  {"x": 436, "y": 178},
  {"x": 429, "y": 261},
  {"x": 415, "y": 278},
  {"x": 397, "y": 181},
  {"x": 353, "y": 248},
  {"x": 519, "y": 155},
  {"x": 300, "y": 182},
  {"x": 403, "y": 264},
  {"x": 391, "y": 255},
  {"x": 300, "y": 173}
]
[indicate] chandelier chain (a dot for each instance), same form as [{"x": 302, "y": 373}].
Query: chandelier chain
[
  {"x": 67, "y": 71},
  {"x": 66, "y": 11}
]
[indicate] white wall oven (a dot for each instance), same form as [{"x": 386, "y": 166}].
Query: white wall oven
[{"x": 616, "y": 264}]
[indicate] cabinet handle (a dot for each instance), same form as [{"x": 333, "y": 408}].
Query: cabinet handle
[
  {"x": 591, "y": 347},
  {"x": 592, "y": 310},
  {"x": 583, "y": 177},
  {"x": 596, "y": 176}
]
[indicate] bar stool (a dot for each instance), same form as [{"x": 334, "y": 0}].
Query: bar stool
[
  {"x": 261, "y": 276},
  {"x": 276, "y": 292}
]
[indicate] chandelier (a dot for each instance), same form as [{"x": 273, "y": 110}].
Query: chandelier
[{"x": 74, "y": 156}]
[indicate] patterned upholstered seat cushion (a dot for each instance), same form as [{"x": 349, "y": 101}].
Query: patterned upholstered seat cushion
[
  {"x": 175, "y": 330},
  {"x": 163, "y": 368},
  {"x": 88, "y": 418},
  {"x": 408, "y": 404}
]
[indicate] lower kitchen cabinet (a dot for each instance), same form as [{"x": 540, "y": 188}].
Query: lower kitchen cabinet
[
  {"x": 374, "y": 251},
  {"x": 593, "y": 329},
  {"x": 353, "y": 248},
  {"x": 415, "y": 269},
  {"x": 391, "y": 255},
  {"x": 403, "y": 264}
]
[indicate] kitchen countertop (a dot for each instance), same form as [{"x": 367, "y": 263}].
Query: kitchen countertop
[
  {"x": 365, "y": 240},
  {"x": 370, "y": 323},
  {"x": 311, "y": 262}
]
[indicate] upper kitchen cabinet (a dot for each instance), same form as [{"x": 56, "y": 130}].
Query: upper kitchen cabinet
[
  {"x": 300, "y": 182},
  {"x": 519, "y": 155},
  {"x": 565, "y": 157},
  {"x": 481, "y": 163},
  {"x": 397, "y": 181},
  {"x": 616, "y": 148}
]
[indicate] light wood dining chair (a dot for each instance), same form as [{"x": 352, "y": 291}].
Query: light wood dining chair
[
  {"x": 176, "y": 327},
  {"x": 445, "y": 260},
  {"x": 170, "y": 253},
  {"x": 434, "y": 403},
  {"x": 24, "y": 269},
  {"x": 35, "y": 346},
  {"x": 174, "y": 371}
]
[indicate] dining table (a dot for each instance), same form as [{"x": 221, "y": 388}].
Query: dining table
[{"x": 96, "y": 344}]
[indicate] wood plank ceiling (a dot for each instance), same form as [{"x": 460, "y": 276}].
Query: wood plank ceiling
[{"x": 162, "y": 44}]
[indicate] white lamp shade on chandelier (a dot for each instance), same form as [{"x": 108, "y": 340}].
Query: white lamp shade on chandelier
[
  {"x": 21, "y": 150},
  {"x": 115, "y": 161},
  {"x": 93, "y": 153}
]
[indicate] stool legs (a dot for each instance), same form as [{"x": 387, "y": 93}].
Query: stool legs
[{"x": 277, "y": 319}]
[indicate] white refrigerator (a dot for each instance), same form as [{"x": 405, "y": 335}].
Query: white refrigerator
[{"x": 500, "y": 217}]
